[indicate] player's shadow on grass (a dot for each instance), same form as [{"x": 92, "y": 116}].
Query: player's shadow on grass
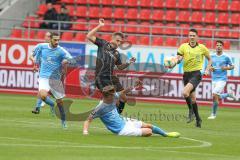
[{"x": 72, "y": 116}]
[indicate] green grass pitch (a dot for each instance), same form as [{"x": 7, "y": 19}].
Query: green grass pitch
[{"x": 24, "y": 136}]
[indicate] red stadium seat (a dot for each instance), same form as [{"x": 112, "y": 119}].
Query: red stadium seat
[
  {"x": 16, "y": 33},
  {"x": 235, "y": 5},
  {"x": 131, "y": 14},
  {"x": 197, "y": 4},
  {"x": 42, "y": 8},
  {"x": 57, "y": 7},
  {"x": 29, "y": 34},
  {"x": 184, "y": 16},
  {"x": 107, "y": 2},
  {"x": 209, "y": 5},
  {"x": 132, "y": 39},
  {"x": 184, "y": 4},
  {"x": 170, "y": 15},
  {"x": 144, "y": 40},
  {"x": 222, "y": 5},
  {"x": 184, "y": 29},
  {"x": 118, "y": 26},
  {"x": 71, "y": 9},
  {"x": 119, "y": 2},
  {"x": 208, "y": 30},
  {"x": 209, "y": 17},
  {"x": 108, "y": 26},
  {"x": 119, "y": 13},
  {"x": 158, "y": 15},
  {"x": 145, "y": 3},
  {"x": 235, "y": 32},
  {"x": 94, "y": 2},
  {"x": 67, "y": 36},
  {"x": 144, "y": 28},
  {"x": 197, "y": 17},
  {"x": 158, "y": 3},
  {"x": 81, "y": 11},
  {"x": 157, "y": 41},
  {"x": 227, "y": 45},
  {"x": 80, "y": 37},
  {"x": 171, "y": 29},
  {"x": 235, "y": 18},
  {"x": 94, "y": 12},
  {"x": 131, "y": 3},
  {"x": 106, "y": 37},
  {"x": 223, "y": 33},
  {"x": 157, "y": 28},
  {"x": 92, "y": 23},
  {"x": 171, "y": 42},
  {"x": 145, "y": 14},
  {"x": 209, "y": 44},
  {"x": 81, "y": 1},
  {"x": 106, "y": 12},
  {"x": 199, "y": 28},
  {"x": 222, "y": 18},
  {"x": 40, "y": 35},
  {"x": 171, "y": 4},
  {"x": 80, "y": 25},
  {"x": 30, "y": 21},
  {"x": 68, "y": 1},
  {"x": 132, "y": 27}
]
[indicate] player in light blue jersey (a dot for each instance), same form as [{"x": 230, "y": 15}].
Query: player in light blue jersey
[
  {"x": 53, "y": 58},
  {"x": 220, "y": 64},
  {"x": 108, "y": 114},
  {"x": 39, "y": 103}
]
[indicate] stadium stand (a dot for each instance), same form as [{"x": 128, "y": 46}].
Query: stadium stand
[{"x": 144, "y": 19}]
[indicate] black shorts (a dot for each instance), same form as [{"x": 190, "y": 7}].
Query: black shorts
[
  {"x": 193, "y": 77},
  {"x": 101, "y": 82}
]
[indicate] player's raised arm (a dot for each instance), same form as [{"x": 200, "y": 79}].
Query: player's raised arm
[
  {"x": 125, "y": 65},
  {"x": 91, "y": 35},
  {"x": 122, "y": 94}
]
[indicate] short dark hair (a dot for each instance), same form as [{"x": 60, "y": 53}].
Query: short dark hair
[
  {"x": 53, "y": 34},
  {"x": 219, "y": 41},
  {"x": 118, "y": 34},
  {"x": 193, "y": 30},
  {"x": 108, "y": 90}
]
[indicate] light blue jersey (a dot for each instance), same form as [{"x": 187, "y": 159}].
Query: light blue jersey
[
  {"x": 218, "y": 62},
  {"x": 50, "y": 59},
  {"x": 109, "y": 116}
]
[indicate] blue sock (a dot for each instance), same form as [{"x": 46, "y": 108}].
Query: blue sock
[
  {"x": 49, "y": 101},
  {"x": 62, "y": 113},
  {"x": 158, "y": 130},
  {"x": 224, "y": 95},
  {"x": 39, "y": 102},
  {"x": 214, "y": 107}
]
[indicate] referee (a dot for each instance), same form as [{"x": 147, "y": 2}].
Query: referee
[
  {"x": 192, "y": 54},
  {"x": 107, "y": 58}
]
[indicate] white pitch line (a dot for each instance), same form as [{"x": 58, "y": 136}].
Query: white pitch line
[{"x": 67, "y": 145}]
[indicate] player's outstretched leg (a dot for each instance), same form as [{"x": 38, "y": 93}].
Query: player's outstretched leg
[
  {"x": 38, "y": 106},
  {"x": 225, "y": 95},
  {"x": 44, "y": 96},
  {"x": 157, "y": 130}
]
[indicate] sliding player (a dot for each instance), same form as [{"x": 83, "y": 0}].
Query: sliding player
[{"x": 107, "y": 112}]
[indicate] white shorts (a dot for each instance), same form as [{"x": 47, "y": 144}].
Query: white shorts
[
  {"x": 131, "y": 128},
  {"x": 55, "y": 86},
  {"x": 218, "y": 87}
]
